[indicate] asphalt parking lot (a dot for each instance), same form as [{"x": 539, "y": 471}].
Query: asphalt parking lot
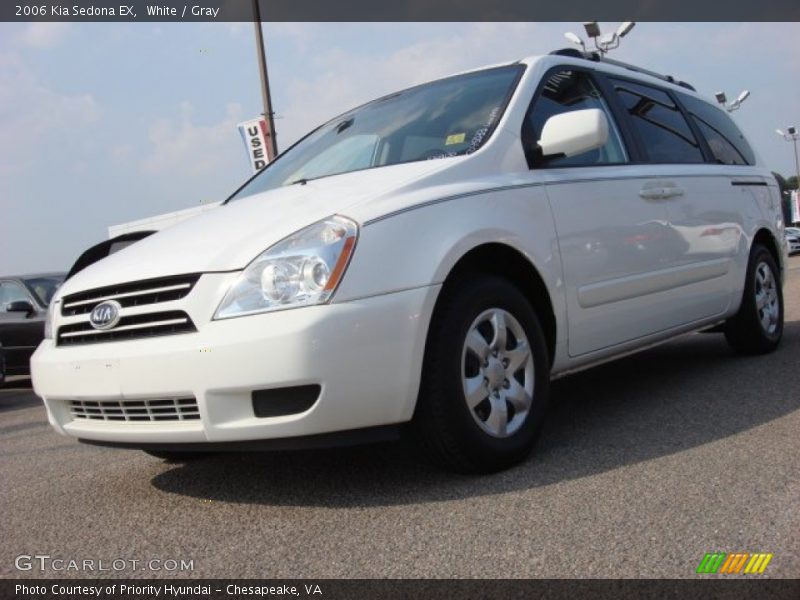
[{"x": 645, "y": 465}]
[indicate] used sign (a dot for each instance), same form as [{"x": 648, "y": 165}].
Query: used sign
[{"x": 254, "y": 134}]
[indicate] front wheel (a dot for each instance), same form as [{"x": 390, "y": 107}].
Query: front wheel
[
  {"x": 485, "y": 378},
  {"x": 758, "y": 326}
]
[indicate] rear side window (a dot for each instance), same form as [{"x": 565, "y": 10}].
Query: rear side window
[
  {"x": 727, "y": 143},
  {"x": 664, "y": 132}
]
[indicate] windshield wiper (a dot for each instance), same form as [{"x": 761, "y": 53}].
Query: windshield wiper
[{"x": 301, "y": 181}]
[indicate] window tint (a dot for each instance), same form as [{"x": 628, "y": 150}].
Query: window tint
[
  {"x": 665, "y": 134},
  {"x": 726, "y": 141},
  {"x": 566, "y": 91}
]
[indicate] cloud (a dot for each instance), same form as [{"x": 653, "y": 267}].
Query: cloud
[
  {"x": 187, "y": 149},
  {"x": 44, "y": 35},
  {"x": 35, "y": 115},
  {"x": 340, "y": 79},
  {"x": 238, "y": 29}
]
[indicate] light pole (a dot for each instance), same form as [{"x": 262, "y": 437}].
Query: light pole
[
  {"x": 736, "y": 104},
  {"x": 602, "y": 43},
  {"x": 272, "y": 144},
  {"x": 792, "y": 135}
]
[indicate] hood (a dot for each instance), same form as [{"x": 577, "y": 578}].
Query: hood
[{"x": 227, "y": 238}]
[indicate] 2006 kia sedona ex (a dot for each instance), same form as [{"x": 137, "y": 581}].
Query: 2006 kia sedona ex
[{"x": 430, "y": 259}]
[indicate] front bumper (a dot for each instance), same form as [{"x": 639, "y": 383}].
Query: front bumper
[{"x": 365, "y": 354}]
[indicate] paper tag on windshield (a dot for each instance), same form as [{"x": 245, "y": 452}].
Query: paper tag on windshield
[{"x": 456, "y": 138}]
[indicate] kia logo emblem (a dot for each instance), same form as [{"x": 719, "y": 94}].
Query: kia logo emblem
[{"x": 105, "y": 315}]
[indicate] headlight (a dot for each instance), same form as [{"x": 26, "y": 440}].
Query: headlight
[
  {"x": 301, "y": 270},
  {"x": 48, "y": 321}
]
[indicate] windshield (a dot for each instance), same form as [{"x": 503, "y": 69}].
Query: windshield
[
  {"x": 44, "y": 287},
  {"x": 449, "y": 117}
]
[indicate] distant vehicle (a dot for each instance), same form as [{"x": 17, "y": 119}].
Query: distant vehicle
[
  {"x": 24, "y": 301},
  {"x": 792, "y": 236}
]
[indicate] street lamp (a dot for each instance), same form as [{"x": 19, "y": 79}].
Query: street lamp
[
  {"x": 602, "y": 43},
  {"x": 792, "y": 135},
  {"x": 571, "y": 37},
  {"x": 736, "y": 104},
  {"x": 272, "y": 144}
]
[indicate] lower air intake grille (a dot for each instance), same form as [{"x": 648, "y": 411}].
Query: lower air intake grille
[
  {"x": 180, "y": 409},
  {"x": 128, "y": 328}
]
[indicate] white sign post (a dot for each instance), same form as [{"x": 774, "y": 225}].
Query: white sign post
[
  {"x": 795, "y": 205},
  {"x": 254, "y": 136}
]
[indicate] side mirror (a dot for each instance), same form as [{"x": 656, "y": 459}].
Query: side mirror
[
  {"x": 571, "y": 133},
  {"x": 22, "y": 306}
]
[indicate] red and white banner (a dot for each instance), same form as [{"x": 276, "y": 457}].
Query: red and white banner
[
  {"x": 254, "y": 136},
  {"x": 795, "y": 204}
]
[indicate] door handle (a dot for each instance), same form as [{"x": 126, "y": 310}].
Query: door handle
[{"x": 660, "y": 190}]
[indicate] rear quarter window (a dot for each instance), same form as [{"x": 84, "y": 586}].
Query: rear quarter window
[{"x": 727, "y": 143}]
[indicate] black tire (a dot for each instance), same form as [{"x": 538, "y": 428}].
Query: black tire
[
  {"x": 447, "y": 427},
  {"x": 176, "y": 455},
  {"x": 745, "y": 331}
]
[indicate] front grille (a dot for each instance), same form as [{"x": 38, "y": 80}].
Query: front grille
[
  {"x": 180, "y": 409},
  {"x": 137, "y": 293},
  {"x": 128, "y": 328},
  {"x": 148, "y": 292}
]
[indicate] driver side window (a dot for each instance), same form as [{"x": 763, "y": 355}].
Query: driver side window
[{"x": 566, "y": 91}]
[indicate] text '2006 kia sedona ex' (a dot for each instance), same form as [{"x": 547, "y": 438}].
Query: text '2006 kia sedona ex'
[{"x": 429, "y": 260}]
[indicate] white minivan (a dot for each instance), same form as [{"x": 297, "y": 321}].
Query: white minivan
[{"x": 427, "y": 262}]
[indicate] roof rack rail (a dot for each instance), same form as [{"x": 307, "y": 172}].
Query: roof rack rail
[{"x": 596, "y": 57}]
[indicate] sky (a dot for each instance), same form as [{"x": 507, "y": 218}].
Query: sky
[{"x": 105, "y": 123}]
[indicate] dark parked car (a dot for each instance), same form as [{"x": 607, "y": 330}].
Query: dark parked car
[{"x": 23, "y": 307}]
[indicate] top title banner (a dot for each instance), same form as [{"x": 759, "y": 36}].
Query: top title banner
[{"x": 400, "y": 10}]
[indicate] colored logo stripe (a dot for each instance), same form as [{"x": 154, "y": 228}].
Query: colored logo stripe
[
  {"x": 711, "y": 562},
  {"x": 758, "y": 563},
  {"x": 735, "y": 562},
  {"x": 725, "y": 563}
]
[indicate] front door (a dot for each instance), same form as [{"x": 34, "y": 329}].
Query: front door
[{"x": 622, "y": 213}]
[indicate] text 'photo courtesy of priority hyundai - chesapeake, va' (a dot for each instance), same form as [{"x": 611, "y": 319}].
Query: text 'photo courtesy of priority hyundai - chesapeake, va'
[{"x": 433, "y": 257}]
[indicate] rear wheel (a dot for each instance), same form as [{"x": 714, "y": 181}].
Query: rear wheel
[
  {"x": 758, "y": 326},
  {"x": 485, "y": 379}
]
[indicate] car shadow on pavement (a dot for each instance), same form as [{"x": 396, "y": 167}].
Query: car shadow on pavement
[{"x": 672, "y": 398}]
